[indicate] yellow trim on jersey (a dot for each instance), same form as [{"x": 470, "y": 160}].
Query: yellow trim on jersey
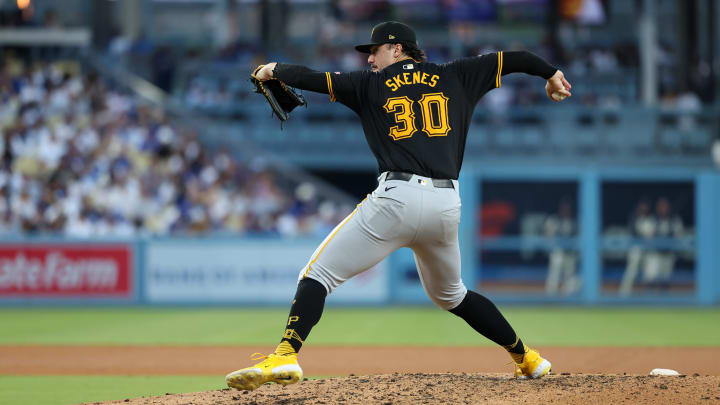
[
  {"x": 498, "y": 80},
  {"x": 329, "y": 85},
  {"x": 332, "y": 235}
]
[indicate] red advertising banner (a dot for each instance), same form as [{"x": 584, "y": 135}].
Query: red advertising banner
[{"x": 56, "y": 270}]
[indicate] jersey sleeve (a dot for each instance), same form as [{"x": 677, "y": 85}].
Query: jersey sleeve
[
  {"x": 479, "y": 74},
  {"x": 301, "y": 77},
  {"x": 348, "y": 88}
]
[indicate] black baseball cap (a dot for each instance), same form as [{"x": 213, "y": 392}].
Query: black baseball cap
[{"x": 389, "y": 32}]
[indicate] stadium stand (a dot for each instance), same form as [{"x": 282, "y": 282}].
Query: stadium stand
[{"x": 82, "y": 159}]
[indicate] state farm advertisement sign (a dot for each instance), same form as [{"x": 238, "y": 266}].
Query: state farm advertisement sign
[{"x": 57, "y": 270}]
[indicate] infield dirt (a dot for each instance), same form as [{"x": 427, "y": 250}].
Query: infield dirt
[
  {"x": 418, "y": 388},
  {"x": 400, "y": 375}
]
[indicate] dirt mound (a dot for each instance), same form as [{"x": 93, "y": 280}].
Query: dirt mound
[{"x": 465, "y": 388}]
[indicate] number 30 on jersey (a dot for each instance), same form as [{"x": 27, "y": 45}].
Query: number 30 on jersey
[{"x": 433, "y": 125}]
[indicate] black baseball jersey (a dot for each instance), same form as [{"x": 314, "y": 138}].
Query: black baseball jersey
[{"x": 416, "y": 115}]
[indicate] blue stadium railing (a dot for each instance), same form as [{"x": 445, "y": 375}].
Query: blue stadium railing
[{"x": 330, "y": 135}]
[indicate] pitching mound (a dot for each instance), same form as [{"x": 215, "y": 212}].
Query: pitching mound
[{"x": 581, "y": 389}]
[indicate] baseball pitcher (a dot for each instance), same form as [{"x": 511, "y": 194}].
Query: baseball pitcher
[{"x": 415, "y": 115}]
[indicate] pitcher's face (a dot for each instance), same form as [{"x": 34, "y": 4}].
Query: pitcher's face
[{"x": 382, "y": 56}]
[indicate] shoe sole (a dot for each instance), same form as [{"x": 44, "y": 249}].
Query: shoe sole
[
  {"x": 286, "y": 377},
  {"x": 245, "y": 380},
  {"x": 249, "y": 380}
]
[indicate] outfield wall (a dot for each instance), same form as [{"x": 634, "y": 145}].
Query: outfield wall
[
  {"x": 231, "y": 271},
  {"x": 169, "y": 271},
  {"x": 264, "y": 271}
]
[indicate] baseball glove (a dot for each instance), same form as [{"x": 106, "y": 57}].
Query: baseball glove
[{"x": 282, "y": 99}]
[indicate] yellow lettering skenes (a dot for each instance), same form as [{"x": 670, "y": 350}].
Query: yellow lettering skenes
[{"x": 407, "y": 78}]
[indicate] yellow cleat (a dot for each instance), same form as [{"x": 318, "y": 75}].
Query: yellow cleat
[
  {"x": 532, "y": 366},
  {"x": 281, "y": 369}
]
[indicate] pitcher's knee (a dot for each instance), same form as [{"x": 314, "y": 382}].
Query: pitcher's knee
[
  {"x": 448, "y": 300},
  {"x": 321, "y": 275}
]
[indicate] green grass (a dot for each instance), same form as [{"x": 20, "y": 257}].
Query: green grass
[
  {"x": 60, "y": 390},
  {"x": 545, "y": 326},
  {"x": 542, "y": 326}
]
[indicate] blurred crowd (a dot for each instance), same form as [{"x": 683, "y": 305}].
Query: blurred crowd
[
  {"x": 604, "y": 68},
  {"x": 209, "y": 88},
  {"x": 604, "y": 75},
  {"x": 82, "y": 159}
]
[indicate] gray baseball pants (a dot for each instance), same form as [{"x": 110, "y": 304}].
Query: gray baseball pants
[{"x": 397, "y": 214}]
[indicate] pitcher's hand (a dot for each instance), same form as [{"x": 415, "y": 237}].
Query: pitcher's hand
[
  {"x": 557, "y": 87},
  {"x": 264, "y": 72}
]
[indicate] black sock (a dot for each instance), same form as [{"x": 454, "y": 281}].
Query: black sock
[
  {"x": 307, "y": 307},
  {"x": 480, "y": 313}
]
